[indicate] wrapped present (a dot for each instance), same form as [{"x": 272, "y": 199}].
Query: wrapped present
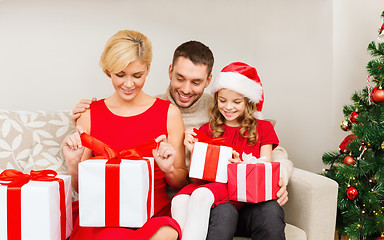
[
  {"x": 35, "y": 206},
  {"x": 116, "y": 191},
  {"x": 253, "y": 181},
  {"x": 209, "y": 159}
]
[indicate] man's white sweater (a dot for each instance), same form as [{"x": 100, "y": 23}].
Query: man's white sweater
[{"x": 195, "y": 115}]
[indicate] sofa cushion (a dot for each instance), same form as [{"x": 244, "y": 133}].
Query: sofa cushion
[{"x": 31, "y": 140}]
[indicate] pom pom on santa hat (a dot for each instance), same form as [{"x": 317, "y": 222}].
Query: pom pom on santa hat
[{"x": 241, "y": 78}]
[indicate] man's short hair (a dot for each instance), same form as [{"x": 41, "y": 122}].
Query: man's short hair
[{"x": 195, "y": 51}]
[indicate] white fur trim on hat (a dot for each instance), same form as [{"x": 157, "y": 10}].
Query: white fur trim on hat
[{"x": 239, "y": 83}]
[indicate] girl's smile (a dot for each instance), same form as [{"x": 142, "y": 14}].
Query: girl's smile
[{"x": 231, "y": 105}]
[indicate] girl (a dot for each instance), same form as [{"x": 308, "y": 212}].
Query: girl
[
  {"x": 238, "y": 100},
  {"x": 130, "y": 117}
]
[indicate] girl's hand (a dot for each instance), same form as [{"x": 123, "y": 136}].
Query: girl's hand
[
  {"x": 164, "y": 155},
  {"x": 72, "y": 148},
  {"x": 189, "y": 140},
  {"x": 235, "y": 157}
]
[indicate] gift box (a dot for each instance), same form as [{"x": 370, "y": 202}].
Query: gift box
[
  {"x": 253, "y": 182},
  {"x": 115, "y": 192},
  {"x": 35, "y": 206},
  {"x": 209, "y": 162},
  {"x": 134, "y": 183},
  {"x": 210, "y": 157}
]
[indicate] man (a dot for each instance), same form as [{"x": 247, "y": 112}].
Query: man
[{"x": 190, "y": 73}]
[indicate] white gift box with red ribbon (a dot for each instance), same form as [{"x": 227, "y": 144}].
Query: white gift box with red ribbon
[
  {"x": 209, "y": 162},
  {"x": 134, "y": 186},
  {"x": 253, "y": 181},
  {"x": 40, "y": 210}
]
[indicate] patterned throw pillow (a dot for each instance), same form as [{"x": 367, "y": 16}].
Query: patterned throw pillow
[{"x": 31, "y": 140}]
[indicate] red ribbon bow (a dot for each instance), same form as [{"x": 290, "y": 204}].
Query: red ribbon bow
[
  {"x": 214, "y": 141},
  {"x": 204, "y": 138},
  {"x": 112, "y": 174},
  {"x": 17, "y": 180}
]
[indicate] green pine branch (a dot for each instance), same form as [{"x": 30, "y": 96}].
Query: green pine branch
[
  {"x": 376, "y": 50},
  {"x": 376, "y": 68}
]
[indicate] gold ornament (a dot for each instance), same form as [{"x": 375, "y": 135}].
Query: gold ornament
[
  {"x": 382, "y": 145},
  {"x": 346, "y": 125}
]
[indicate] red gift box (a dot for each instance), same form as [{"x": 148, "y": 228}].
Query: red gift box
[
  {"x": 209, "y": 159},
  {"x": 209, "y": 162},
  {"x": 253, "y": 182}
]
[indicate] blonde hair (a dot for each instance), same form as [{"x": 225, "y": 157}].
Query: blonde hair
[
  {"x": 247, "y": 121},
  {"x": 123, "y": 48}
]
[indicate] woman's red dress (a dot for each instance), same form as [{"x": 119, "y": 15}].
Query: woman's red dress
[{"x": 122, "y": 133}]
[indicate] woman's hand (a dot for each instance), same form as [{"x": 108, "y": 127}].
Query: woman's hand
[
  {"x": 73, "y": 149},
  {"x": 164, "y": 155},
  {"x": 235, "y": 157},
  {"x": 189, "y": 139}
]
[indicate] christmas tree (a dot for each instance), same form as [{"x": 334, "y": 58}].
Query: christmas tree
[{"x": 358, "y": 166}]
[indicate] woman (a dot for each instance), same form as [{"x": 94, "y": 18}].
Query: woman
[{"x": 126, "y": 119}]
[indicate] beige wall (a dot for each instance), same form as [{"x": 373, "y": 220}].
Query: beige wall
[
  {"x": 356, "y": 24},
  {"x": 310, "y": 54}
]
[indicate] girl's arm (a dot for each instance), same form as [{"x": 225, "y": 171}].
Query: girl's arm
[
  {"x": 266, "y": 151},
  {"x": 174, "y": 169},
  {"x": 73, "y": 150}
]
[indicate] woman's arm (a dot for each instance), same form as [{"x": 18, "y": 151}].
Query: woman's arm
[
  {"x": 176, "y": 178},
  {"x": 73, "y": 150}
]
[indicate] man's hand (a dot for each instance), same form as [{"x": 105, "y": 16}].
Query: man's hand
[
  {"x": 83, "y": 105},
  {"x": 282, "y": 194}
]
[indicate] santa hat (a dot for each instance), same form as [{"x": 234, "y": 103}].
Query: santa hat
[{"x": 243, "y": 79}]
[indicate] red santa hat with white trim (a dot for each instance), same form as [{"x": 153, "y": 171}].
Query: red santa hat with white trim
[{"x": 243, "y": 79}]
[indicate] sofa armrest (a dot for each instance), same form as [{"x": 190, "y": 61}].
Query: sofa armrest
[
  {"x": 312, "y": 204},
  {"x": 279, "y": 154}
]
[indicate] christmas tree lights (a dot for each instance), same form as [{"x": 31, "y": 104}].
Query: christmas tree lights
[{"x": 358, "y": 166}]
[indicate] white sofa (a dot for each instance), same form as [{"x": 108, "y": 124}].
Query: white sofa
[
  {"x": 32, "y": 140},
  {"x": 310, "y": 212}
]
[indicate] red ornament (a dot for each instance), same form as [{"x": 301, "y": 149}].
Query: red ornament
[
  {"x": 349, "y": 160},
  {"x": 380, "y": 238},
  {"x": 377, "y": 94},
  {"x": 351, "y": 193},
  {"x": 353, "y": 116},
  {"x": 343, "y": 147}
]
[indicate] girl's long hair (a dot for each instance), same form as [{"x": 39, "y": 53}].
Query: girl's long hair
[{"x": 247, "y": 121}]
